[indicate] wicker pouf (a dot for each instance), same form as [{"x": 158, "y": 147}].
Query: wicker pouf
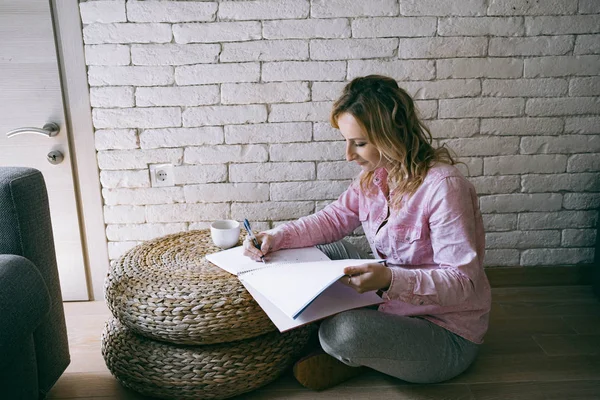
[
  {"x": 198, "y": 372},
  {"x": 166, "y": 290}
]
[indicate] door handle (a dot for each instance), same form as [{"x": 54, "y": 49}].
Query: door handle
[{"x": 49, "y": 130}]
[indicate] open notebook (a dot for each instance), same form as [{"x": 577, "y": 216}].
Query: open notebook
[{"x": 296, "y": 286}]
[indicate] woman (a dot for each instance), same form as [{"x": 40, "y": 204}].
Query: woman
[{"x": 421, "y": 215}]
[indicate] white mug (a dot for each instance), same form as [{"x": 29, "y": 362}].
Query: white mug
[{"x": 225, "y": 233}]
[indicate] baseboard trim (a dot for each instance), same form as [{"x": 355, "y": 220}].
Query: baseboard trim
[{"x": 559, "y": 275}]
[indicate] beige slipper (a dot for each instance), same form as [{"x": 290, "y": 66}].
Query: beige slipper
[{"x": 319, "y": 371}]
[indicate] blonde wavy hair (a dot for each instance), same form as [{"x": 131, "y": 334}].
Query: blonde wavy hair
[{"x": 388, "y": 116}]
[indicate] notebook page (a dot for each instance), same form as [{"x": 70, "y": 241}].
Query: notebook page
[
  {"x": 294, "y": 286},
  {"x": 235, "y": 262},
  {"x": 336, "y": 298}
]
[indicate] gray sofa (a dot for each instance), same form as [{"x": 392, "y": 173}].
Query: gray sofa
[{"x": 34, "y": 350}]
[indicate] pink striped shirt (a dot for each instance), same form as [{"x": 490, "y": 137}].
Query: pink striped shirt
[{"x": 434, "y": 246}]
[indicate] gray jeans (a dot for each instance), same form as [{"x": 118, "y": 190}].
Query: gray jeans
[{"x": 409, "y": 348}]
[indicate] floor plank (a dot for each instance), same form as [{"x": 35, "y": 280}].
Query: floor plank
[
  {"x": 91, "y": 384},
  {"x": 584, "y": 325},
  {"x": 544, "y": 294},
  {"x": 405, "y": 392},
  {"x": 568, "y": 345},
  {"x": 527, "y": 309},
  {"x": 582, "y": 390},
  {"x": 507, "y": 346},
  {"x": 523, "y": 368},
  {"x": 542, "y": 344},
  {"x": 501, "y": 328}
]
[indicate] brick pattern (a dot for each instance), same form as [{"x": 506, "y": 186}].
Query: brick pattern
[{"x": 236, "y": 94}]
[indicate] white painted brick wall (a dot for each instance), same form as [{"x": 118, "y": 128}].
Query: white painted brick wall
[
  {"x": 277, "y": 92},
  {"x": 313, "y": 190},
  {"x": 583, "y": 182},
  {"x": 303, "y": 71},
  {"x": 524, "y": 164},
  {"x": 500, "y": 222},
  {"x": 107, "y": 54},
  {"x": 112, "y": 96},
  {"x": 481, "y": 26},
  {"x": 578, "y": 237},
  {"x": 165, "y": 11},
  {"x": 102, "y": 12},
  {"x": 522, "y": 239},
  {"x": 560, "y": 144},
  {"x": 177, "y": 96},
  {"x": 185, "y": 212},
  {"x": 562, "y": 66},
  {"x": 442, "y": 47},
  {"x": 541, "y": 87},
  {"x": 582, "y": 125},
  {"x": 217, "y": 32},
  {"x": 273, "y": 50},
  {"x": 536, "y": 46},
  {"x": 314, "y": 111},
  {"x": 286, "y": 132},
  {"x": 584, "y": 86},
  {"x": 108, "y": 139},
  {"x": 189, "y": 174},
  {"x": 124, "y": 214},
  {"x": 581, "y": 201},
  {"x": 480, "y": 68},
  {"x": 393, "y": 26},
  {"x": 521, "y": 126},
  {"x": 224, "y": 192},
  {"x": 142, "y": 196},
  {"x": 127, "y": 33},
  {"x": 174, "y": 54},
  {"x": 136, "y": 159},
  {"x": 340, "y": 49},
  {"x": 217, "y": 73},
  {"x": 237, "y": 94},
  {"x": 442, "y": 8},
  {"x": 351, "y": 8},
  {"x": 528, "y": 7},
  {"x": 125, "y": 179},
  {"x": 584, "y": 163},
  {"x": 180, "y": 137},
  {"x": 271, "y": 172},
  {"x": 225, "y": 154},
  {"x": 136, "y": 117},
  {"x": 495, "y": 184},
  {"x": 127, "y": 75},
  {"x": 587, "y": 44}
]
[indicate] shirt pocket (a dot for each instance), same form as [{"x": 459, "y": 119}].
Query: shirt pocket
[
  {"x": 405, "y": 241},
  {"x": 363, "y": 213}
]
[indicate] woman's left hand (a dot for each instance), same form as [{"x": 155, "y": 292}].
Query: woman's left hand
[{"x": 367, "y": 277}]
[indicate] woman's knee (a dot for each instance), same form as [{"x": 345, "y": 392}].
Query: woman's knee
[
  {"x": 342, "y": 333},
  {"x": 342, "y": 250}
]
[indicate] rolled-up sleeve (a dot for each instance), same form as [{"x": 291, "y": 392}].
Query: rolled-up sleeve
[
  {"x": 332, "y": 223},
  {"x": 457, "y": 250}
]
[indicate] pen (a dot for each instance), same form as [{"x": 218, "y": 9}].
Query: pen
[{"x": 251, "y": 235}]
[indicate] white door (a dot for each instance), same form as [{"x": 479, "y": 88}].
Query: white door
[{"x": 31, "y": 96}]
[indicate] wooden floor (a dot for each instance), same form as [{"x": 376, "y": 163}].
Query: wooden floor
[{"x": 543, "y": 343}]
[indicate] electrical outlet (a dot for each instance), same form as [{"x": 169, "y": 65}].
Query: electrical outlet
[{"x": 162, "y": 175}]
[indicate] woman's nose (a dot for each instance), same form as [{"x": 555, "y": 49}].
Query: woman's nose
[{"x": 350, "y": 154}]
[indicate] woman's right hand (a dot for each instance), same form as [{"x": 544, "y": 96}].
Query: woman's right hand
[{"x": 264, "y": 239}]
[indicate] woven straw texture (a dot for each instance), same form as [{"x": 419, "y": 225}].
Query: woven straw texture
[
  {"x": 199, "y": 372},
  {"x": 166, "y": 290}
]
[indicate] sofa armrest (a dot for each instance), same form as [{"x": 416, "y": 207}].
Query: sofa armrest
[{"x": 24, "y": 300}]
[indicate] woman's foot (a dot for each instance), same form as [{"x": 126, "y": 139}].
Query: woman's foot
[{"x": 319, "y": 371}]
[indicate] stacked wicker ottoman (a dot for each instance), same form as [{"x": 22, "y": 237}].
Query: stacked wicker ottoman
[{"x": 183, "y": 328}]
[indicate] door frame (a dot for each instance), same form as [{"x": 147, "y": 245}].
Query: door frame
[{"x": 78, "y": 114}]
